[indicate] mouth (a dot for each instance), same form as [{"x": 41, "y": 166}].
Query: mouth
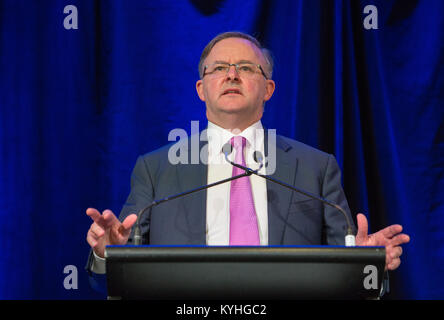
[{"x": 231, "y": 91}]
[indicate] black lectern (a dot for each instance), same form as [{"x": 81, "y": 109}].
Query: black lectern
[{"x": 246, "y": 273}]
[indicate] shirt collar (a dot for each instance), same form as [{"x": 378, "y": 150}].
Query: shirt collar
[{"x": 218, "y": 137}]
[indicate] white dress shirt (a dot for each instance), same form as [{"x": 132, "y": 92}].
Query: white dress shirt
[{"x": 218, "y": 197}]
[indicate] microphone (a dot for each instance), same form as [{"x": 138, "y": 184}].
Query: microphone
[
  {"x": 258, "y": 157},
  {"x": 137, "y": 231},
  {"x": 228, "y": 148}
]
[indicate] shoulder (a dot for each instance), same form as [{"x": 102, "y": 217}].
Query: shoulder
[
  {"x": 165, "y": 158},
  {"x": 155, "y": 160},
  {"x": 300, "y": 148},
  {"x": 309, "y": 159},
  {"x": 157, "y": 154}
]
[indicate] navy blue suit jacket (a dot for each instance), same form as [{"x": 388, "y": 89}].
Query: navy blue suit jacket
[{"x": 293, "y": 219}]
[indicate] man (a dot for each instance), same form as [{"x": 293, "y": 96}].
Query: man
[{"x": 235, "y": 82}]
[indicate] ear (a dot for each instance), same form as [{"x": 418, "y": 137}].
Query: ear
[
  {"x": 200, "y": 90},
  {"x": 269, "y": 87}
]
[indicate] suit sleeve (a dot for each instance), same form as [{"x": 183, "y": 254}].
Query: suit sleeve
[
  {"x": 335, "y": 224},
  {"x": 141, "y": 195}
]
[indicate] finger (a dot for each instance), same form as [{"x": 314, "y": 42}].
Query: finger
[
  {"x": 391, "y": 231},
  {"x": 110, "y": 219},
  {"x": 394, "y": 252},
  {"x": 399, "y": 239},
  {"x": 95, "y": 215},
  {"x": 96, "y": 239},
  {"x": 397, "y": 252},
  {"x": 97, "y": 230},
  {"x": 394, "y": 264},
  {"x": 362, "y": 226}
]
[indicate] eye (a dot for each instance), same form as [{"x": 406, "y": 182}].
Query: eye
[
  {"x": 246, "y": 68},
  {"x": 219, "y": 68}
]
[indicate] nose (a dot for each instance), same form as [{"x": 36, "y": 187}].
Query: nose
[{"x": 232, "y": 73}]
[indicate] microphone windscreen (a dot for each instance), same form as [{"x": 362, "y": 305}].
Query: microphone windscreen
[
  {"x": 227, "y": 148},
  {"x": 258, "y": 157}
]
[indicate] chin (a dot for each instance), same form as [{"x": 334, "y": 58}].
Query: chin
[
  {"x": 233, "y": 107},
  {"x": 234, "y": 111}
]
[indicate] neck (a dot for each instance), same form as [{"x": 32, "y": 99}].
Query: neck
[{"x": 233, "y": 121}]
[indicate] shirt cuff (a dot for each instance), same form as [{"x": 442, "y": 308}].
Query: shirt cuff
[{"x": 98, "y": 265}]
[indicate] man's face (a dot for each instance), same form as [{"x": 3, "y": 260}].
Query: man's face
[{"x": 232, "y": 99}]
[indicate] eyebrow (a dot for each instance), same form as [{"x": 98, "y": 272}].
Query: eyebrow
[{"x": 238, "y": 62}]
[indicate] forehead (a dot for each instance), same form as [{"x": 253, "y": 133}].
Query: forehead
[{"x": 235, "y": 49}]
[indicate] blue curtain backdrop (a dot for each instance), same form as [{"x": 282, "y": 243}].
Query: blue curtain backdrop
[{"x": 78, "y": 106}]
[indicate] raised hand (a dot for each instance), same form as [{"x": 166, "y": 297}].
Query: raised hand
[
  {"x": 108, "y": 230},
  {"x": 390, "y": 237}
]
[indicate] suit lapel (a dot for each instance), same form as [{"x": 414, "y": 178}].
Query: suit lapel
[
  {"x": 191, "y": 176},
  {"x": 279, "y": 197}
]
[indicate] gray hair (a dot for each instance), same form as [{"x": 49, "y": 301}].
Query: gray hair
[{"x": 236, "y": 34}]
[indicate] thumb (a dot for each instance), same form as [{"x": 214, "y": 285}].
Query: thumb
[
  {"x": 127, "y": 224},
  {"x": 362, "y": 226}
]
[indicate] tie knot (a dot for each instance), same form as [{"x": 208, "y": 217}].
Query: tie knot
[{"x": 238, "y": 142}]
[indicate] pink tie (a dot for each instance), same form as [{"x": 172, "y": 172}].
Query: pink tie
[{"x": 243, "y": 221}]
